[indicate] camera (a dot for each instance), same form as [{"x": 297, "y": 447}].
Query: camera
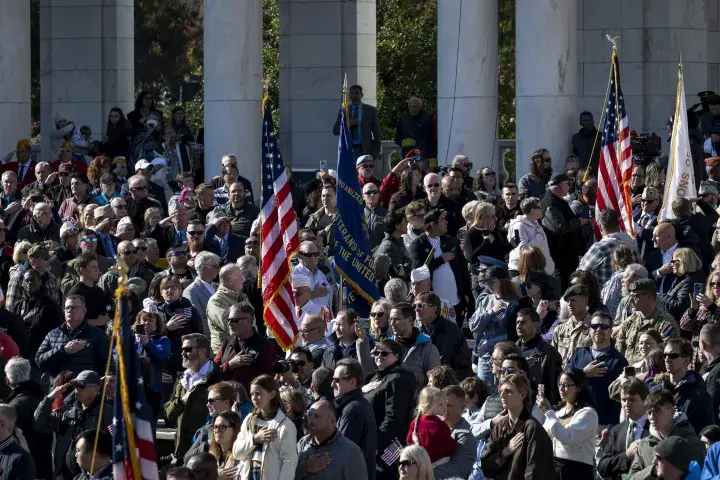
[
  {"x": 283, "y": 366},
  {"x": 140, "y": 329},
  {"x": 646, "y": 146},
  {"x": 152, "y": 123}
]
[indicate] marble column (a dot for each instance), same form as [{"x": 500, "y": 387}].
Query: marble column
[
  {"x": 468, "y": 81},
  {"x": 87, "y": 63},
  {"x": 14, "y": 74},
  {"x": 320, "y": 41},
  {"x": 547, "y": 79},
  {"x": 233, "y": 85}
]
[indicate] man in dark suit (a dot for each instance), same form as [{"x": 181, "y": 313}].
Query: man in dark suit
[
  {"x": 645, "y": 219},
  {"x": 22, "y": 165},
  {"x": 617, "y": 454},
  {"x": 220, "y": 240},
  {"x": 440, "y": 251},
  {"x": 363, "y": 123},
  {"x": 659, "y": 262}
]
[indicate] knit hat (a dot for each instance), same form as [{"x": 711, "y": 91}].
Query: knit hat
[
  {"x": 136, "y": 285},
  {"x": 107, "y": 178},
  {"x": 66, "y": 167},
  {"x": 67, "y": 227},
  {"x": 419, "y": 274}
]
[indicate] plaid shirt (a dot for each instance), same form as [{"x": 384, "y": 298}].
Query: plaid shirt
[
  {"x": 612, "y": 292},
  {"x": 693, "y": 320},
  {"x": 16, "y": 290},
  {"x": 598, "y": 258}
]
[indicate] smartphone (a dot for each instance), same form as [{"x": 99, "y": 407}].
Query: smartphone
[
  {"x": 323, "y": 166},
  {"x": 364, "y": 323},
  {"x": 517, "y": 237},
  {"x": 698, "y": 288},
  {"x": 140, "y": 329},
  {"x": 629, "y": 371}
]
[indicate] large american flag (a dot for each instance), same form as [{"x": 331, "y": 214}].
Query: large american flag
[
  {"x": 616, "y": 162},
  {"x": 279, "y": 239},
  {"x": 133, "y": 443}
]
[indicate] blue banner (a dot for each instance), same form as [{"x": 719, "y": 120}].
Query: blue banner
[{"x": 353, "y": 258}]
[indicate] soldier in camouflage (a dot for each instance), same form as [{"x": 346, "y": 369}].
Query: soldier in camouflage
[
  {"x": 647, "y": 316},
  {"x": 574, "y": 332}
]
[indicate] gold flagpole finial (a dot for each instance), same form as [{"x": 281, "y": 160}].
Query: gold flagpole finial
[
  {"x": 612, "y": 40},
  {"x": 266, "y": 90}
]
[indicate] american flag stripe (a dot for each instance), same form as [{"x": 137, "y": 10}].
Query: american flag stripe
[
  {"x": 279, "y": 239},
  {"x": 615, "y": 166}
]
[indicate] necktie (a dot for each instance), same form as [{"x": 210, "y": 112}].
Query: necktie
[
  {"x": 223, "y": 248},
  {"x": 630, "y": 434},
  {"x": 108, "y": 246},
  {"x": 21, "y": 172}
]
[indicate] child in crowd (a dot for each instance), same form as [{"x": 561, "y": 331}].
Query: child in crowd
[{"x": 429, "y": 430}]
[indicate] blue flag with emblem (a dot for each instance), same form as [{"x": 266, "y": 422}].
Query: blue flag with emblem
[{"x": 353, "y": 259}]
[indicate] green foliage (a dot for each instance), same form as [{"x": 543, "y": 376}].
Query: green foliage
[
  {"x": 506, "y": 69},
  {"x": 406, "y": 58}
]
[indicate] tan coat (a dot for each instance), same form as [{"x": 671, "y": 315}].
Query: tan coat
[{"x": 217, "y": 311}]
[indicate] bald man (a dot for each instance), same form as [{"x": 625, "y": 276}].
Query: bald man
[
  {"x": 451, "y": 188},
  {"x": 416, "y": 129},
  {"x": 436, "y": 200},
  {"x": 659, "y": 262},
  {"x": 321, "y": 292}
]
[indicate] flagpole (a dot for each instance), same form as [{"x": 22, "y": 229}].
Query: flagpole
[
  {"x": 102, "y": 402},
  {"x": 266, "y": 96}
]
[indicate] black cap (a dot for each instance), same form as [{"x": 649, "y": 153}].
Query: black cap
[
  {"x": 494, "y": 272},
  {"x": 557, "y": 178},
  {"x": 548, "y": 290},
  {"x": 678, "y": 452},
  {"x": 642, "y": 285},
  {"x": 575, "y": 290}
]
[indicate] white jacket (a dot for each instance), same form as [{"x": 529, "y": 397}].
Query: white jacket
[
  {"x": 576, "y": 440},
  {"x": 531, "y": 235},
  {"x": 279, "y": 457}
]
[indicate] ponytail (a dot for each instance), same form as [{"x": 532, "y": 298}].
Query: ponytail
[{"x": 415, "y": 436}]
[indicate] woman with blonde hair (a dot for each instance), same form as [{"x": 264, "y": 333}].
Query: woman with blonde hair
[
  {"x": 225, "y": 429},
  {"x": 483, "y": 238},
  {"x": 687, "y": 268},
  {"x": 414, "y": 464},
  {"x": 428, "y": 430},
  {"x": 266, "y": 445},
  {"x": 294, "y": 403},
  {"x": 468, "y": 214},
  {"x": 380, "y": 319},
  {"x": 703, "y": 309}
]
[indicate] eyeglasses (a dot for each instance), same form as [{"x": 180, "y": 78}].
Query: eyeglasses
[
  {"x": 381, "y": 353},
  {"x": 238, "y": 319},
  {"x": 600, "y": 326},
  {"x": 187, "y": 349},
  {"x": 310, "y": 254},
  {"x": 221, "y": 428},
  {"x": 129, "y": 252},
  {"x": 181, "y": 253},
  {"x": 377, "y": 314},
  {"x": 406, "y": 463},
  {"x": 89, "y": 240},
  {"x": 195, "y": 232},
  {"x": 508, "y": 370},
  {"x": 436, "y": 185},
  {"x": 566, "y": 385},
  {"x": 308, "y": 330},
  {"x": 372, "y": 192},
  {"x": 672, "y": 356}
]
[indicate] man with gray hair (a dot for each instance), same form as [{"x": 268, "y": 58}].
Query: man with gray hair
[
  {"x": 228, "y": 293},
  {"x": 25, "y": 397},
  {"x": 396, "y": 290},
  {"x": 416, "y": 129},
  {"x": 207, "y": 266},
  {"x": 41, "y": 227},
  {"x": 104, "y": 217},
  {"x": 15, "y": 461}
]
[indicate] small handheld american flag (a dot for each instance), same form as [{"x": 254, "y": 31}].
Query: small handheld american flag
[{"x": 392, "y": 453}]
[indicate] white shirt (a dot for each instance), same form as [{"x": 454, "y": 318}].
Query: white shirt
[
  {"x": 667, "y": 256},
  {"x": 317, "y": 278},
  {"x": 443, "y": 281},
  {"x": 190, "y": 378}
]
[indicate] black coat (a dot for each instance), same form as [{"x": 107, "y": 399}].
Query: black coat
[
  {"x": 39, "y": 314},
  {"x": 613, "y": 461},
  {"x": 194, "y": 325},
  {"x": 563, "y": 230},
  {"x": 677, "y": 294},
  {"x": 356, "y": 421},
  {"x": 454, "y": 216},
  {"x": 15, "y": 327},
  {"x": 26, "y": 397},
  {"x": 236, "y": 244},
  {"x": 391, "y": 399},
  {"x": 711, "y": 373},
  {"x": 653, "y": 263},
  {"x": 420, "y": 250},
  {"x": 545, "y": 365},
  {"x": 693, "y": 400},
  {"x": 452, "y": 345}
]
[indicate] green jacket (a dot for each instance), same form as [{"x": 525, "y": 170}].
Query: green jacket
[
  {"x": 191, "y": 415},
  {"x": 642, "y": 464}
]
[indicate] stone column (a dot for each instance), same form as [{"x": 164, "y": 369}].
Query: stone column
[
  {"x": 319, "y": 43},
  {"x": 468, "y": 81},
  {"x": 547, "y": 108},
  {"x": 14, "y": 74},
  {"x": 87, "y": 63},
  {"x": 233, "y": 86}
]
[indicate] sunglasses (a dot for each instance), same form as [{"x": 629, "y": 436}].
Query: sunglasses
[
  {"x": 430, "y": 185},
  {"x": 310, "y": 254},
  {"x": 715, "y": 284},
  {"x": 187, "y": 349},
  {"x": 182, "y": 253},
  {"x": 406, "y": 463},
  {"x": 195, "y": 232},
  {"x": 415, "y": 159},
  {"x": 490, "y": 174},
  {"x": 299, "y": 363},
  {"x": 672, "y": 356},
  {"x": 210, "y": 401},
  {"x": 419, "y": 306},
  {"x": 381, "y": 353},
  {"x": 134, "y": 189},
  {"x": 238, "y": 319},
  {"x": 508, "y": 370},
  {"x": 600, "y": 326},
  {"x": 372, "y": 192},
  {"x": 129, "y": 252},
  {"x": 89, "y": 240}
]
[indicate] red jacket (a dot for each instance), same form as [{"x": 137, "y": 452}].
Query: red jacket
[
  {"x": 29, "y": 177},
  {"x": 264, "y": 357},
  {"x": 78, "y": 165},
  {"x": 434, "y": 436},
  {"x": 8, "y": 347}
]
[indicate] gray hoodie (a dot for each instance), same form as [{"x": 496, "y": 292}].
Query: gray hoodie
[{"x": 346, "y": 459}]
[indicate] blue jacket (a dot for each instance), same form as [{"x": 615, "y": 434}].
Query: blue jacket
[
  {"x": 614, "y": 362},
  {"x": 158, "y": 351},
  {"x": 711, "y": 468}
]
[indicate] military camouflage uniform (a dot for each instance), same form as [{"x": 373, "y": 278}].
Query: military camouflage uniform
[
  {"x": 629, "y": 335},
  {"x": 571, "y": 335}
]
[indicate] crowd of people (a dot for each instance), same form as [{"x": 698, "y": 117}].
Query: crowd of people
[{"x": 520, "y": 333}]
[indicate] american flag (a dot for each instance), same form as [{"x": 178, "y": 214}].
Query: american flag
[
  {"x": 615, "y": 154},
  {"x": 392, "y": 453},
  {"x": 279, "y": 239},
  {"x": 133, "y": 443}
]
